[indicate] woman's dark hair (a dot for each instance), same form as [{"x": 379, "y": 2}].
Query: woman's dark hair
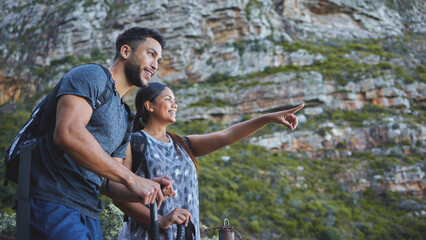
[
  {"x": 150, "y": 93},
  {"x": 179, "y": 140},
  {"x": 136, "y": 35}
]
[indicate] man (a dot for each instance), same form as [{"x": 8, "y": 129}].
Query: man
[{"x": 71, "y": 161}]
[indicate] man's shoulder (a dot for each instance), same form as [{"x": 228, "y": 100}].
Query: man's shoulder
[
  {"x": 88, "y": 75},
  {"x": 90, "y": 81},
  {"x": 90, "y": 70}
]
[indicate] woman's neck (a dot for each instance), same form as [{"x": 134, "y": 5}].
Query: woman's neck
[{"x": 157, "y": 132}]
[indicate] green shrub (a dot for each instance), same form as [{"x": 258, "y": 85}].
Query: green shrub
[
  {"x": 111, "y": 221},
  {"x": 8, "y": 224},
  {"x": 330, "y": 233}
]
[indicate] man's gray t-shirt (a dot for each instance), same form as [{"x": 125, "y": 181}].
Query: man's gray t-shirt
[{"x": 55, "y": 177}]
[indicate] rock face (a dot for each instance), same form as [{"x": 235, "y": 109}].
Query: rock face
[
  {"x": 408, "y": 180},
  {"x": 237, "y": 38},
  {"x": 204, "y": 37}
]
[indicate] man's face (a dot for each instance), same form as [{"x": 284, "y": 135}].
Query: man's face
[{"x": 143, "y": 63}]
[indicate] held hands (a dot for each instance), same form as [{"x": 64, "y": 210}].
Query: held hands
[
  {"x": 146, "y": 190},
  {"x": 287, "y": 117},
  {"x": 166, "y": 186},
  {"x": 177, "y": 216}
]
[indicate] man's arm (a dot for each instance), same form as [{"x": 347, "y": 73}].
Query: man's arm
[
  {"x": 73, "y": 114},
  {"x": 119, "y": 192}
]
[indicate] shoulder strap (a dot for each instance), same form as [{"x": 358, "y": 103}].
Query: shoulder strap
[
  {"x": 136, "y": 162},
  {"x": 23, "y": 191},
  {"x": 108, "y": 91},
  {"x": 107, "y": 95},
  {"x": 130, "y": 117}
]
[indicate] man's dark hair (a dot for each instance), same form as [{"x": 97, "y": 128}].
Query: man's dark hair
[{"x": 134, "y": 36}]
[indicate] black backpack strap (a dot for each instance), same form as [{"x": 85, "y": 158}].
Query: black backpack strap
[
  {"x": 140, "y": 141},
  {"x": 136, "y": 143},
  {"x": 130, "y": 117},
  {"x": 154, "y": 230},
  {"x": 108, "y": 91},
  {"x": 23, "y": 213},
  {"x": 107, "y": 95}
]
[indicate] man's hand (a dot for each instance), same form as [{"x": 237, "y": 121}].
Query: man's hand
[
  {"x": 146, "y": 190},
  {"x": 166, "y": 186},
  {"x": 177, "y": 216}
]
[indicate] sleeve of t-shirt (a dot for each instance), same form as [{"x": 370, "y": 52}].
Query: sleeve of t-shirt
[
  {"x": 120, "y": 152},
  {"x": 87, "y": 81},
  {"x": 186, "y": 140}
]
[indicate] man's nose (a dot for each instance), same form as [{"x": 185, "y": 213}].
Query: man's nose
[{"x": 154, "y": 65}]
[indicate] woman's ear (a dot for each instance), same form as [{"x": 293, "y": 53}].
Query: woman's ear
[{"x": 148, "y": 106}]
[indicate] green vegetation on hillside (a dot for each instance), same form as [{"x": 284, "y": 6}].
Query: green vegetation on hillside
[{"x": 268, "y": 193}]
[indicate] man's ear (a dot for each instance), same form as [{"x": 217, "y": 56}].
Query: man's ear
[{"x": 125, "y": 51}]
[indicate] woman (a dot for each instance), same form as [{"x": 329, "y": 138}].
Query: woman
[{"x": 171, "y": 155}]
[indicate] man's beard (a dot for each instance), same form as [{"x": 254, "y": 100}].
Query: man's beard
[{"x": 133, "y": 73}]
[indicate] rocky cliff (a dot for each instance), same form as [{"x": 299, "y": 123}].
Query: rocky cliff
[
  {"x": 204, "y": 37},
  {"x": 358, "y": 65}
]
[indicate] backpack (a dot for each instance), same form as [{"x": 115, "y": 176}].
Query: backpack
[{"x": 34, "y": 129}]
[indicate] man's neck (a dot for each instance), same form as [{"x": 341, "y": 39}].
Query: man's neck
[{"x": 121, "y": 83}]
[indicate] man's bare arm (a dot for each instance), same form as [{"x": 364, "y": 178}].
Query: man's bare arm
[{"x": 71, "y": 135}]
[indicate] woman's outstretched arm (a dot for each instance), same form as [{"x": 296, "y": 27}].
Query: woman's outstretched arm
[{"x": 207, "y": 143}]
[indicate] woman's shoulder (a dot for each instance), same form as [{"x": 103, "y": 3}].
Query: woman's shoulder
[
  {"x": 138, "y": 136},
  {"x": 138, "y": 133},
  {"x": 138, "y": 140}
]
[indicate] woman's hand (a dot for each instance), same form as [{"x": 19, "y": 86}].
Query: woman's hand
[
  {"x": 287, "y": 117},
  {"x": 166, "y": 186},
  {"x": 177, "y": 216}
]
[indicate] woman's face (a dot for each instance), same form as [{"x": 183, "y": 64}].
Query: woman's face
[{"x": 164, "y": 108}]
